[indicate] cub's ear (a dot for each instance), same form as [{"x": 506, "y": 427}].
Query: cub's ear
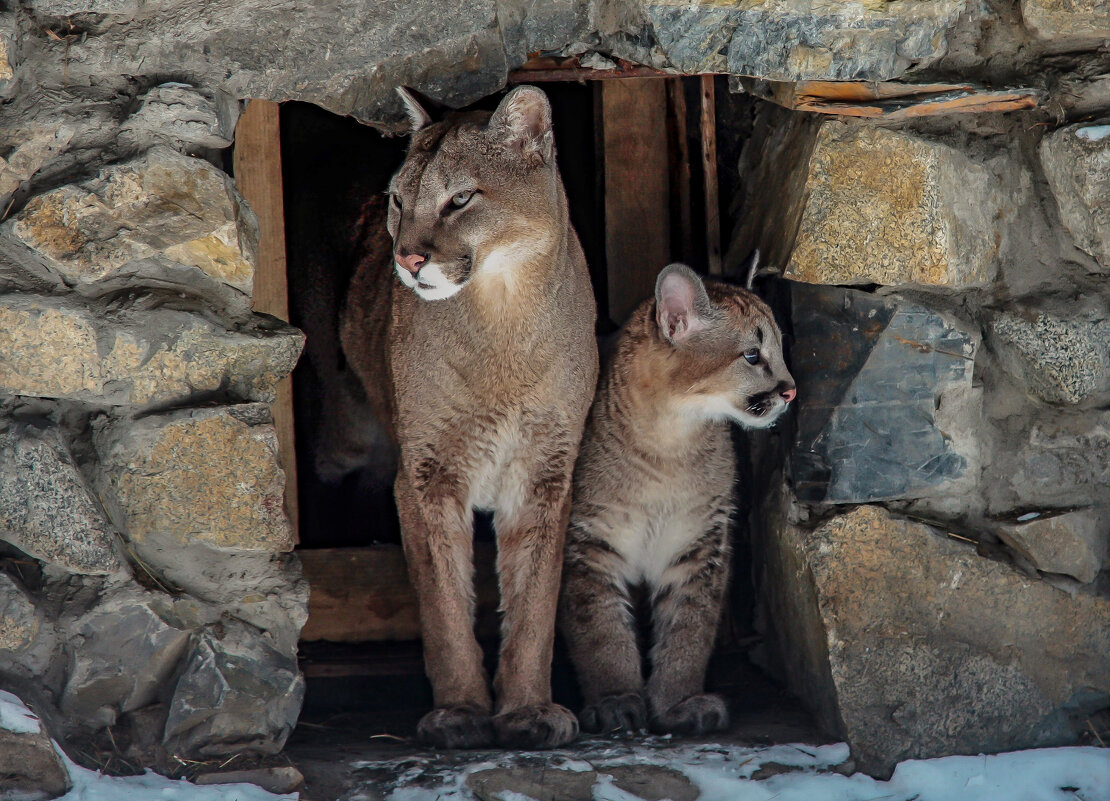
[
  {"x": 414, "y": 108},
  {"x": 523, "y": 120},
  {"x": 682, "y": 307}
]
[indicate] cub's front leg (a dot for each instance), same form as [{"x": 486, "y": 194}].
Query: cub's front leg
[
  {"x": 596, "y": 620},
  {"x": 437, "y": 533},
  {"x": 686, "y": 608},
  {"x": 531, "y": 530}
]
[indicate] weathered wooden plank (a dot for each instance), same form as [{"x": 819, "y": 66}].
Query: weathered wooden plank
[
  {"x": 637, "y": 189},
  {"x": 257, "y": 166},
  {"x": 893, "y": 100},
  {"x": 364, "y": 594},
  {"x": 709, "y": 171}
]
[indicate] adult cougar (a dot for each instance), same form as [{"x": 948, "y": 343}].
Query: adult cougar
[
  {"x": 492, "y": 365},
  {"x": 653, "y": 499}
]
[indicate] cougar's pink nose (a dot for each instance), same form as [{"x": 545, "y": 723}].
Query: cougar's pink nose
[
  {"x": 789, "y": 394},
  {"x": 411, "y": 262}
]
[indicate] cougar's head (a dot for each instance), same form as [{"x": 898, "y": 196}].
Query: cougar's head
[
  {"x": 725, "y": 350},
  {"x": 477, "y": 195}
]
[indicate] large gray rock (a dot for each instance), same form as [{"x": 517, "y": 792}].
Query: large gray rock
[
  {"x": 910, "y": 645},
  {"x": 121, "y": 655},
  {"x": 264, "y": 589},
  {"x": 785, "y": 40},
  {"x": 1073, "y": 543},
  {"x": 46, "y": 508},
  {"x": 56, "y": 347},
  {"x": 1062, "y": 462},
  {"x": 1062, "y": 25},
  {"x": 163, "y": 217},
  {"x": 30, "y": 768},
  {"x": 1076, "y": 162},
  {"x": 886, "y": 408},
  {"x": 201, "y": 475},
  {"x": 237, "y": 693},
  {"x": 181, "y": 116},
  {"x": 1059, "y": 358}
]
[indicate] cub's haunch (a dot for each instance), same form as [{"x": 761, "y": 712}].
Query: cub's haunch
[
  {"x": 653, "y": 499},
  {"x": 491, "y": 367}
]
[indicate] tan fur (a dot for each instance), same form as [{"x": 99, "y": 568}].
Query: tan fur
[
  {"x": 653, "y": 500},
  {"x": 490, "y": 388}
]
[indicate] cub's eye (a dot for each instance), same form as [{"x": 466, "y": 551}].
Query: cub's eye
[
  {"x": 460, "y": 199},
  {"x": 752, "y": 356}
]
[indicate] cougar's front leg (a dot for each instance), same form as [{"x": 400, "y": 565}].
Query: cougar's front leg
[
  {"x": 530, "y": 536},
  {"x": 597, "y": 622},
  {"x": 686, "y": 607},
  {"x": 437, "y": 532}
]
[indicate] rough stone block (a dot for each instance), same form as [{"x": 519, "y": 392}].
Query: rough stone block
[
  {"x": 886, "y": 407},
  {"x": 46, "y": 508},
  {"x": 30, "y": 768},
  {"x": 1068, "y": 24},
  {"x": 1056, "y": 358},
  {"x": 237, "y": 693},
  {"x": 1076, "y": 162},
  {"x": 162, "y": 204},
  {"x": 52, "y": 347},
  {"x": 19, "y": 619},
  {"x": 1063, "y": 462},
  {"x": 886, "y": 207},
  {"x": 121, "y": 655},
  {"x": 1074, "y": 543},
  {"x": 202, "y": 475},
  {"x": 911, "y": 646},
  {"x": 784, "y": 40},
  {"x": 179, "y": 114}
]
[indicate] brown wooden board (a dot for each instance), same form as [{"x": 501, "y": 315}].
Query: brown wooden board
[
  {"x": 364, "y": 594},
  {"x": 709, "y": 172},
  {"x": 893, "y": 100},
  {"x": 637, "y": 189},
  {"x": 257, "y": 166}
]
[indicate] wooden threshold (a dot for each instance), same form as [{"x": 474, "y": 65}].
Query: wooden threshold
[{"x": 364, "y": 594}]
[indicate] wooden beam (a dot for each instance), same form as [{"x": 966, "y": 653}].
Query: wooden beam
[
  {"x": 893, "y": 100},
  {"x": 637, "y": 189},
  {"x": 257, "y": 166},
  {"x": 364, "y": 594},
  {"x": 682, "y": 226},
  {"x": 548, "y": 69},
  {"x": 709, "y": 170}
]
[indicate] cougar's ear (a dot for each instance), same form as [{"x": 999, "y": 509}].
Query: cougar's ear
[
  {"x": 523, "y": 120},
  {"x": 414, "y": 109},
  {"x": 682, "y": 307}
]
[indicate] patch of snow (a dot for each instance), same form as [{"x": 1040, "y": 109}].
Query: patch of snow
[
  {"x": 15, "y": 716},
  {"x": 1028, "y": 516},
  {"x": 90, "y": 785},
  {"x": 724, "y": 773},
  {"x": 1093, "y": 133}
]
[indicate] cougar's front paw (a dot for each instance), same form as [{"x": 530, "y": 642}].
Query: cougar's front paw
[
  {"x": 540, "y": 726},
  {"x": 456, "y": 727},
  {"x": 698, "y": 714},
  {"x": 614, "y": 713}
]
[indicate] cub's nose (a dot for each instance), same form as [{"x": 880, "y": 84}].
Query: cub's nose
[
  {"x": 789, "y": 394},
  {"x": 411, "y": 261}
]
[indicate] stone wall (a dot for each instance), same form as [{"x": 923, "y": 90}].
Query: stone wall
[
  {"x": 934, "y": 550},
  {"x": 950, "y": 343}
]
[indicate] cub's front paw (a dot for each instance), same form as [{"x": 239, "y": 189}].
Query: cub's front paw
[
  {"x": 456, "y": 727},
  {"x": 624, "y": 712},
  {"x": 540, "y": 726},
  {"x": 698, "y": 714}
]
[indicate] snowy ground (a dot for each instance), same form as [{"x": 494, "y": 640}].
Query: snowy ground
[{"x": 720, "y": 772}]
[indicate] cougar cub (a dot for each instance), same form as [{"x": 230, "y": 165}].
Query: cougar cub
[
  {"x": 492, "y": 366},
  {"x": 653, "y": 499}
]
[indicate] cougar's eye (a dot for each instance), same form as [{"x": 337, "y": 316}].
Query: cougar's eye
[
  {"x": 460, "y": 199},
  {"x": 395, "y": 200},
  {"x": 752, "y": 356}
]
